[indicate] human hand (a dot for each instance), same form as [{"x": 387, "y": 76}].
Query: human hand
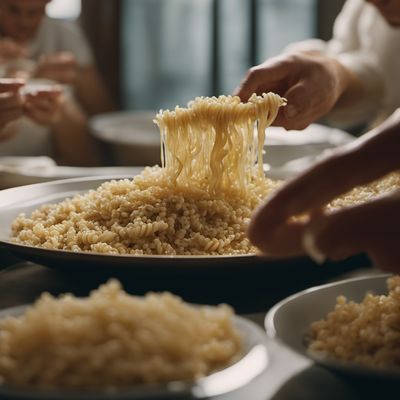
[
  {"x": 60, "y": 67},
  {"x": 11, "y": 50},
  {"x": 311, "y": 83},
  {"x": 372, "y": 227},
  {"x": 11, "y": 102},
  {"x": 44, "y": 106}
]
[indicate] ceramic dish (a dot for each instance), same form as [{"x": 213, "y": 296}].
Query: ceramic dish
[
  {"x": 28, "y": 198},
  {"x": 289, "y": 320},
  {"x": 238, "y": 375},
  {"x": 18, "y": 171},
  {"x": 248, "y": 282}
]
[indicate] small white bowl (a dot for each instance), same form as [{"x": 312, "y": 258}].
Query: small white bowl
[{"x": 131, "y": 137}]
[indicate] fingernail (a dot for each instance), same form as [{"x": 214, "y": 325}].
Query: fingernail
[
  {"x": 311, "y": 248},
  {"x": 291, "y": 111}
]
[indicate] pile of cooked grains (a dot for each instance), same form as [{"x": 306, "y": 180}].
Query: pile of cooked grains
[
  {"x": 367, "y": 333},
  {"x": 146, "y": 215},
  {"x": 151, "y": 215},
  {"x": 113, "y": 340}
]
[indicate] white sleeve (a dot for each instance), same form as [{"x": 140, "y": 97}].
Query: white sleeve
[
  {"x": 346, "y": 46},
  {"x": 345, "y": 36},
  {"x": 370, "y": 102}
]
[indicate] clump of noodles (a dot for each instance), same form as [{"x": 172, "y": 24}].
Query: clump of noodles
[
  {"x": 113, "y": 340},
  {"x": 211, "y": 144},
  {"x": 197, "y": 203}
]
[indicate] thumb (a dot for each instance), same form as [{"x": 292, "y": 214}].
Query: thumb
[{"x": 298, "y": 101}]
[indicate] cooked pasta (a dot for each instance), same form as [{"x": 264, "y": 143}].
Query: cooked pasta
[
  {"x": 366, "y": 332},
  {"x": 198, "y": 202},
  {"x": 211, "y": 144},
  {"x": 113, "y": 340}
]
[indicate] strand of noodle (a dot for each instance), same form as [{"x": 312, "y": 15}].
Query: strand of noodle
[{"x": 212, "y": 142}]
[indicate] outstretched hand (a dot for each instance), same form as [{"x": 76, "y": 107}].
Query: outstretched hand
[
  {"x": 44, "y": 106},
  {"x": 372, "y": 227},
  {"x": 60, "y": 67},
  {"x": 311, "y": 83}
]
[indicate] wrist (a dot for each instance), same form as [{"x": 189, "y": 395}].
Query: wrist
[{"x": 343, "y": 77}]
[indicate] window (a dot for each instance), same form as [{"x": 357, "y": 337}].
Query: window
[
  {"x": 64, "y": 9},
  {"x": 174, "y": 50}
]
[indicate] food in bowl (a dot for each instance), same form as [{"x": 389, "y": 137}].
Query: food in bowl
[
  {"x": 113, "y": 340},
  {"x": 367, "y": 333},
  {"x": 197, "y": 203}
]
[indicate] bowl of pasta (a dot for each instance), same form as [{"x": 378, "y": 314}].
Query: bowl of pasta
[
  {"x": 167, "y": 348},
  {"x": 181, "y": 224}
]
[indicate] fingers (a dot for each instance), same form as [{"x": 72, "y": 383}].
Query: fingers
[
  {"x": 310, "y": 190},
  {"x": 263, "y": 78},
  {"x": 11, "y": 107},
  {"x": 282, "y": 241},
  {"x": 372, "y": 227},
  {"x": 11, "y": 102},
  {"x": 296, "y": 115},
  {"x": 11, "y": 84},
  {"x": 43, "y": 107},
  {"x": 61, "y": 67},
  {"x": 352, "y": 165}
]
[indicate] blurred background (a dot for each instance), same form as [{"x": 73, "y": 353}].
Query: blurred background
[{"x": 158, "y": 53}]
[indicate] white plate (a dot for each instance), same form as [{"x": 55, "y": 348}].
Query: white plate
[
  {"x": 289, "y": 152},
  {"x": 127, "y": 127},
  {"x": 26, "y": 170},
  {"x": 27, "y": 173},
  {"x": 289, "y": 320},
  {"x": 26, "y": 199},
  {"x": 253, "y": 363}
]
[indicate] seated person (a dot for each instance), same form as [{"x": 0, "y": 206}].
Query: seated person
[
  {"x": 59, "y": 48},
  {"x": 46, "y": 108},
  {"x": 61, "y": 54}
]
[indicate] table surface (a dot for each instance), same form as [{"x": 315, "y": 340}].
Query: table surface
[{"x": 288, "y": 376}]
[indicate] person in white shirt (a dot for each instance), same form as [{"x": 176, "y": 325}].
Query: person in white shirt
[
  {"x": 353, "y": 77},
  {"x": 60, "y": 49},
  {"x": 374, "y": 226},
  {"x": 61, "y": 54}
]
